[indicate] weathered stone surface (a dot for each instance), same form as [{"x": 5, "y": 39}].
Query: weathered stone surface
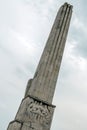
[
  {"x": 44, "y": 81},
  {"x": 14, "y": 126},
  {"x": 28, "y": 87},
  {"x": 31, "y": 126},
  {"x": 36, "y": 111}
]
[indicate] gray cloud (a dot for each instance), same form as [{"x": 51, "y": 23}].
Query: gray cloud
[{"x": 24, "y": 28}]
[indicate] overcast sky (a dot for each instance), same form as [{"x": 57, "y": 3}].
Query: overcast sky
[{"x": 24, "y": 29}]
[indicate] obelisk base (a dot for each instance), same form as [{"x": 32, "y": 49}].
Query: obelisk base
[{"x": 33, "y": 114}]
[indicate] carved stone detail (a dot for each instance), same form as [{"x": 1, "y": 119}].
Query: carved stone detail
[
  {"x": 14, "y": 126},
  {"x": 35, "y": 114}
]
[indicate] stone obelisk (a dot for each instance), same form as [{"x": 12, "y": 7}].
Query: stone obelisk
[{"x": 36, "y": 109}]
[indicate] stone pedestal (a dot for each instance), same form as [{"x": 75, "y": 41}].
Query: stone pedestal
[{"x": 33, "y": 114}]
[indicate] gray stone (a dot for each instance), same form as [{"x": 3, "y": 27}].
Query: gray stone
[
  {"x": 14, "y": 126},
  {"x": 36, "y": 109},
  {"x": 44, "y": 81},
  {"x": 35, "y": 113}
]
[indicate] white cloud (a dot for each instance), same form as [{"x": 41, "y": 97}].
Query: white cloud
[
  {"x": 70, "y": 115},
  {"x": 25, "y": 26},
  {"x": 78, "y": 24}
]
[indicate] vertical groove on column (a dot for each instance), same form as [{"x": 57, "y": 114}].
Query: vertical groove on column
[
  {"x": 45, "y": 60},
  {"x": 50, "y": 36},
  {"x": 47, "y": 53},
  {"x": 46, "y": 66},
  {"x": 53, "y": 48},
  {"x": 56, "y": 43},
  {"x": 51, "y": 58},
  {"x": 60, "y": 57}
]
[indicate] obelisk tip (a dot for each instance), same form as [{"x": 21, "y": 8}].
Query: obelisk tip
[{"x": 67, "y": 4}]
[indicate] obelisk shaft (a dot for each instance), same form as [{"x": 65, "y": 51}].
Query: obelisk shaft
[
  {"x": 36, "y": 109},
  {"x": 44, "y": 81}
]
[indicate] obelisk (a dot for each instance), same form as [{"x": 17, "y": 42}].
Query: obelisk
[{"x": 36, "y": 109}]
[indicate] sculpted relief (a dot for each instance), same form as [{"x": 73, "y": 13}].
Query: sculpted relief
[
  {"x": 39, "y": 112},
  {"x": 36, "y": 114}
]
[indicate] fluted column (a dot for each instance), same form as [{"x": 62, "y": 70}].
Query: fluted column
[
  {"x": 36, "y": 109},
  {"x": 44, "y": 81}
]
